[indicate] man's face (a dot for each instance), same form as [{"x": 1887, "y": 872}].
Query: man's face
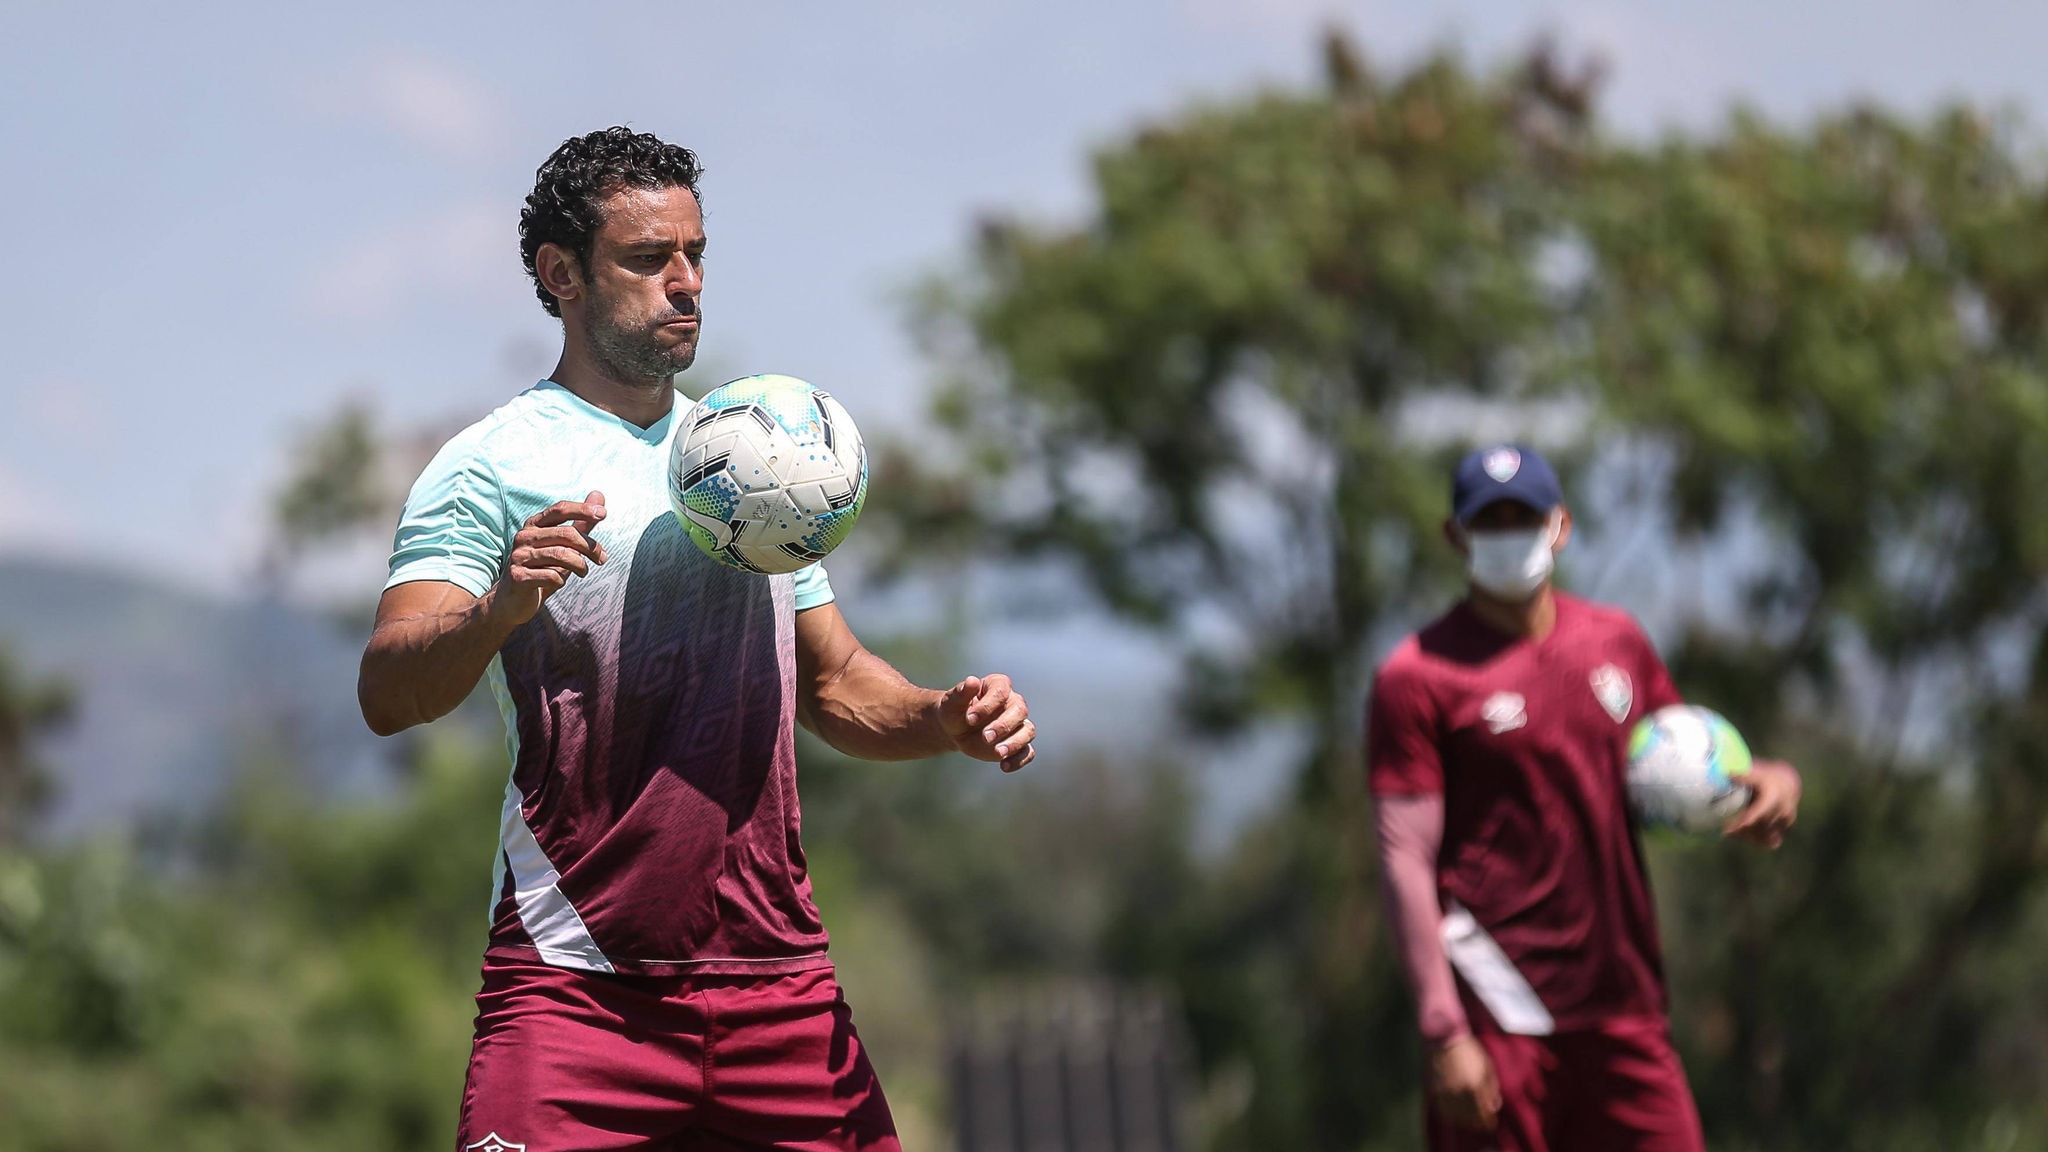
[
  {"x": 1507, "y": 516},
  {"x": 645, "y": 274}
]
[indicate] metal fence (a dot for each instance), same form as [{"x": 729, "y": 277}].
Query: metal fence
[{"x": 1070, "y": 1068}]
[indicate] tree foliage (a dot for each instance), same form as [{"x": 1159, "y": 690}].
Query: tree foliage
[
  {"x": 277, "y": 976},
  {"x": 29, "y": 709},
  {"x": 1225, "y": 403}
]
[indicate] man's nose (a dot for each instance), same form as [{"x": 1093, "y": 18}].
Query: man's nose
[{"x": 685, "y": 278}]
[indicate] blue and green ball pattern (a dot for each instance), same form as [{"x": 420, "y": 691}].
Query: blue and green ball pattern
[
  {"x": 769, "y": 475},
  {"x": 1685, "y": 768}
]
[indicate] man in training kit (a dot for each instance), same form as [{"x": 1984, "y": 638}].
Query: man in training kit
[
  {"x": 656, "y": 974},
  {"x": 1514, "y": 883}
]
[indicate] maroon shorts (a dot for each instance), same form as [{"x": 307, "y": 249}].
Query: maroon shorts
[
  {"x": 1617, "y": 1088},
  {"x": 568, "y": 1061}
]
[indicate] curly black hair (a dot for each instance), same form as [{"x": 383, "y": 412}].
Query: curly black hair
[{"x": 567, "y": 189}]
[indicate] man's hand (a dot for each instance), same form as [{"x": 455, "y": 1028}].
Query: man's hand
[
  {"x": 850, "y": 698},
  {"x": 986, "y": 719},
  {"x": 1773, "y": 804},
  {"x": 1463, "y": 1085},
  {"x": 553, "y": 545}
]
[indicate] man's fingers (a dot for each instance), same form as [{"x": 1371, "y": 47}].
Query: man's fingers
[
  {"x": 548, "y": 580},
  {"x": 595, "y": 503},
  {"x": 1740, "y": 823},
  {"x": 1011, "y": 743},
  {"x": 1457, "y": 1105},
  {"x": 1766, "y": 817},
  {"x": 1019, "y": 759},
  {"x": 960, "y": 699},
  {"x": 557, "y": 557},
  {"x": 567, "y": 511},
  {"x": 993, "y": 697},
  {"x": 1006, "y": 723},
  {"x": 1768, "y": 834},
  {"x": 559, "y": 536}
]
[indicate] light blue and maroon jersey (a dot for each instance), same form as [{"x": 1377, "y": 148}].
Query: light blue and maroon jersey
[
  {"x": 1547, "y": 913},
  {"x": 650, "y": 824}
]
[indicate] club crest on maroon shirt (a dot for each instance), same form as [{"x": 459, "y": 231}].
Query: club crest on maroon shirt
[
  {"x": 494, "y": 1143},
  {"x": 1612, "y": 687},
  {"x": 1504, "y": 712}
]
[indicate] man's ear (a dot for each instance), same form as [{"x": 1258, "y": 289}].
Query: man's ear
[
  {"x": 1454, "y": 534},
  {"x": 1564, "y": 528},
  {"x": 559, "y": 272}
]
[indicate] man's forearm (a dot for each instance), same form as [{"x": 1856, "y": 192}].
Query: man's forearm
[
  {"x": 870, "y": 711},
  {"x": 419, "y": 667},
  {"x": 1410, "y": 833}
]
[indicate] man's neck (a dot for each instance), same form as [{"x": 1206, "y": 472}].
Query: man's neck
[
  {"x": 638, "y": 402},
  {"x": 1533, "y": 619}
]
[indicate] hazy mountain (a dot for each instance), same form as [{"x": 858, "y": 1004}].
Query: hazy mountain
[{"x": 175, "y": 690}]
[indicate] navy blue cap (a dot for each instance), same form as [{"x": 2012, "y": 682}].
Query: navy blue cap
[{"x": 1503, "y": 472}]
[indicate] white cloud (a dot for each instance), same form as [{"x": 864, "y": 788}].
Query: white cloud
[
  {"x": 427, "y": 102},
  {"x": 68, "y": 409},
  {"x": 41, "y": 501},
  {"x": 466, "y": 250}
]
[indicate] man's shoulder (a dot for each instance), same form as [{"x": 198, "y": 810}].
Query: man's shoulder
[
  {"x": 1418, "y": 656},
  {"x": 533, "y": 412},
  {"x": 1592, "y": 616},
  {"x": 506, "y": 435},
  {"x": 1405, "y": 658}
]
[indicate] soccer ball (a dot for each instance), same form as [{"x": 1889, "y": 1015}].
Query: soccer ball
[
  {"x": 1685, "y": 764},
  {"x": 769, "y": 475}
]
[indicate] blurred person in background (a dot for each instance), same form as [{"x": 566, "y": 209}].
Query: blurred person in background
[
  {"x": 656, "y": 974},
  {"x": 1514, "y": 882}
]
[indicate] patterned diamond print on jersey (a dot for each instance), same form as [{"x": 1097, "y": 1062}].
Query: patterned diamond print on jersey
[{"x": 770, "y": 475}]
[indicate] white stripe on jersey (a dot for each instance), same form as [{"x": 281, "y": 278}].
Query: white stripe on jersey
[
  {"x": 548, "y": 917},
  {"x": 1492, "y": 976}
]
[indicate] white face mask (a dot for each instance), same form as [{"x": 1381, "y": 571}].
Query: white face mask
[{"x": 1513, "y": 565}]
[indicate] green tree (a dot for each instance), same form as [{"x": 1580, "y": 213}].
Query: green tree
[
  {"x": 1224, "y": 404},
  {"x": 1196, "y": 402},
  {"x": 29, "y": 710},
  {"x": 284, "y": 974},
  {"x": 1837, "y": 334}
]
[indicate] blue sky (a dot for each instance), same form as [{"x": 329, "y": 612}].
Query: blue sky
[{"x": 229, "y": 217}]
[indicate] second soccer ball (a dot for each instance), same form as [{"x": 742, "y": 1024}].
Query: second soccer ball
[{"x": 1685, "y": 769}]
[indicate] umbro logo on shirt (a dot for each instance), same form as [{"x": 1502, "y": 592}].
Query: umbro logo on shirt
[
  {"x": 1504, "y": 712},
  {"x": 494, "y": 1143}
]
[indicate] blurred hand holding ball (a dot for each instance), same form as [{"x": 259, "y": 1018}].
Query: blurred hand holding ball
[{"x": 1685, "y": 769}]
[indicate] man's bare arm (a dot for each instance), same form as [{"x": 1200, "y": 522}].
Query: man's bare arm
[
  {"x": 1461, "y": 1079},
  {"x": 433, "y": 639},
  {"x": 855, "y": 701}
]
